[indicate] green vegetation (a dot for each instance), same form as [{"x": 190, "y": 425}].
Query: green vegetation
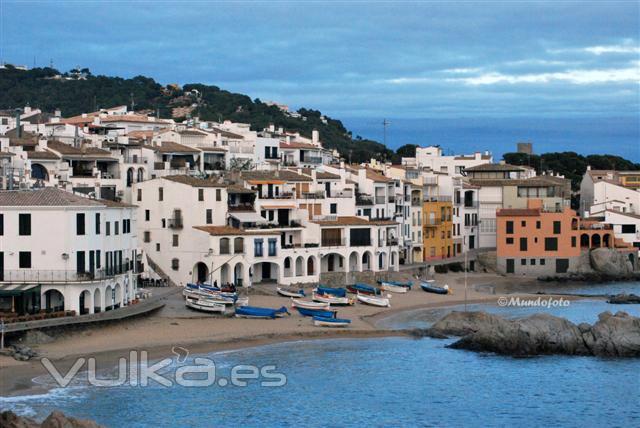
[{"x": 38, "y": 87}]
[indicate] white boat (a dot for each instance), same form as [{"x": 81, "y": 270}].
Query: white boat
[
  {"x": 204, "y": 305},
  {"x": 332, "y": 300},
  {"x": 393, "y": 288},
  {"x": 374, "y": 301},
  {"x": 287, "y": 293},
  {"x": 295, "y": 303},
  {"x": 242, "y": 301},
  {"x": 331, "y": 322}
]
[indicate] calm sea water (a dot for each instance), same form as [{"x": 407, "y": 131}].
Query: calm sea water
[
  {"x": 379, "y": 382},
  {"x": 617, "y": 135}
]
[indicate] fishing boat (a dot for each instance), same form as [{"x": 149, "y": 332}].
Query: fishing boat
[
  {"x": 288, "y": 293},
  {"x": 256, "y": 312},
  {"x": 363, "y": 289},
  {"x": 332, "y": 299},
  {"x": 429, "y": 287},
  {"x": 295, "y": 303},
  {"x": 242, "y": 301},
  {"x": 395, "y": 286},
  {"x": 330, "y": 322},
  {"x": 382, "y": 302},
  {"x": 204, "y": 305},
  {"x": 327, "y": 313}
]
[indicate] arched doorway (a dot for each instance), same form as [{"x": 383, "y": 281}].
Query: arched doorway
[
  {"x": 265, "y": 272},
  {"x": 54, "y": 301},
  {"x": 382, "y": 261},
  {"x": 353, "y": 262},
  {"x": 108, "y": 298},
  {"x": 595, "y": 240},
  {"x": 606, "y": 241},
  {"x": 238, "y": 274},
  {"x": 140, "y": 175},
  {"x": 39, "y": 172},
  {"x": 333, "y": 262},
  {"x": 584, "y": 240},
  {"x": 85, "y": 302},
  {"x": 130, "y": 173},
  {"x": 117, "y": 296},
  {"x": 299, "y": 266},
  {"x": 224, "y": 274},
  {"x": 311, "y": 266},
  {"x": 366, "y": 261},
  {"x": 200, "y": 273},
  {"x": 97, "y": 301},
  {"x": 287, "y": 267}
]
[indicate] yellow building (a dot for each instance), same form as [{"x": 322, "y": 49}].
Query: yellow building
[{"x": 438, "y": 226}]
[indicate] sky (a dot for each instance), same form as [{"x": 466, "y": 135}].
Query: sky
[{"x": 355, "y": 59}]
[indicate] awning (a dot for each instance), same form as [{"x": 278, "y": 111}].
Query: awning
[
  {"x": 248, "y": 217},
  {"x": 15, "y": 289}
]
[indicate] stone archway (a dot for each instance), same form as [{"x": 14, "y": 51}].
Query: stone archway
[
  {"x": 85, "y": 304},
  {"x": 200, "y": 273},
  {"x": 97, "y": 301},
  {"x": 354, "y": 257},
  {"x": 311, "y": 265},
  {"x": 288, "y": 267},
  {"x": 238, "y": 274},
  {"x": 108, "y": 298},
  {"x": 299, "y": 266},
  {"x": 584, "y": 240},
  {"x": 54, "y": 301},
  {"x": 140, "y": 174},
  {"x": 366, "y": 261},
  {"x": 596, "y": 241},
  {"x": 130, "y": 174},
  {"x": 606, "y": 241},
  {"x": 117, "y": 299},
  {"x": 39, "y": 172}
]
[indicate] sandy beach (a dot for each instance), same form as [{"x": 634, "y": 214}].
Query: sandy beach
[{"x": 174, "y": 325}]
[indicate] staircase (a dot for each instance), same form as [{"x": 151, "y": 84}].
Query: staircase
[{"x": 158, "y": 270}]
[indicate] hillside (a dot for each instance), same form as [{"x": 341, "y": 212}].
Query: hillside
[{"x": 37, "y": 88}]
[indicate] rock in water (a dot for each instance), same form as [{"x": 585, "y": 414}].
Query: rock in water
[
  {"x": 610, "y": 262},
  {"x": 56, "y": 419},
  {"x": 622, "y": 299},
  {"x": 613, "y": 335}
]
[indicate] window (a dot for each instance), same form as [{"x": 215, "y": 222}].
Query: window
[
  {"x": 139, "y": 195},
  {"x": 218, "y": 195},
  {"x": 24, "y": 259},
  {"x": 147, "y": 236},
  {"x": 157, "y": 246},
  {"x": 175, "y": 240},
  {"x": 523, "y": 262},
  {"x": 209, "y": 216},
  {"x": 551, "y": 244},
  {"x": 272, "y": 247},
  {"x": 108, "y": 228},
  {"x": 164, "y": 223},
  {"x": 533, "y": 262},
  {"x": 626, "y": 228},
  {"x": 80, "y": 224},
  {"x": 24, "y": 224},
  {"x": 538, "y": 225},
  {"x": 573, "y": 241},
  {"x": 80, "y": 262},
  {"x": 333, "y": 208},
  {"x": 97, "y": 223},
  {"x": 557, "y": 227},
  {"x": 175, "y": 264},
  {"x": 116, "y": 227},
  {"x": 147, "y": 215},
  {"x": 509, "y": 227},
  {"x": 98, "y": 259},
  {"x": 1, "y": 224},
  {"x": 257, "y": 247},
  {"x": 523, "y": 244},
  {"x": 523, "y": 223},
  {"x": 562, "y": 265},
  {"x": 542, "y": 262},
  {"x": 161, "y": 194}
]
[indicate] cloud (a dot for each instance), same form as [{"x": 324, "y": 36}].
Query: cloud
[{"x": 599, "y": 50}]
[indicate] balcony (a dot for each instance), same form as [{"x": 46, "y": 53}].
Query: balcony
[
  {"x": 30, "y": 276},
  {"x": 342, "y": 194},
  {"x": 333, "y": 242},
  {"x": 286, "y": 195},
  {"x": 247, "y": 206},
  {"x": 392, "y": 241},
  {"x": 175, "y": 223},
  {"x": 392, "y": 199},
  {"x": 362, "y": 199},
  {"x": 437, "y": 198},
  {"x": 380, "y": 199},
  {"x": 313, "y": 195},
  {"x": 430, "y": 181},
  {"x": 416, "y": 202},
  {"x": 433, "y": 222},
  {"x": 312, "y": 159}
]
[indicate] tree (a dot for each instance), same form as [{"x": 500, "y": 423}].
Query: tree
[{"x": 407, "y": 151}]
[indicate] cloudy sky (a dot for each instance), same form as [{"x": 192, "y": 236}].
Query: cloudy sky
[{"x": 355, "y": 59}]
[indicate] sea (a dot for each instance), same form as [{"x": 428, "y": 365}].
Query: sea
[
  {"x": 595, "y": 135},
  {"x": 378, "y": 382}
]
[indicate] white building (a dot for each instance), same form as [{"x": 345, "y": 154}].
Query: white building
[{"x": 60, "y": 251}]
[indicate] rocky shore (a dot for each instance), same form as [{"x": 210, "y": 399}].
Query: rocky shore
[
  {"x": 611, "y": 336},
  {"x": 54, "y": 420}
]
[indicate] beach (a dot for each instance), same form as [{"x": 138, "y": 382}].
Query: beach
[{"x": 176, "y": 326}]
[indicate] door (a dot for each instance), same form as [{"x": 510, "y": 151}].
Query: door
[
  {"x": 330, "y": 266},
  {"x": 266, "y": 270},
  {"x": 1, "y": 266},
  {"x": 327, "y": 188},
  {"x": 510, "y": 266},
  {"x": 472, "y": 242}
]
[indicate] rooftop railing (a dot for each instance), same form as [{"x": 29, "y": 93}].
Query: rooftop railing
[{"x": 25, "y": 276}]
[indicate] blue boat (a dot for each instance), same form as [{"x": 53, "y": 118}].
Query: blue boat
[
  {"x": 338, "y": 292},
  {"x": 256, "y": 312},
  {"x": 406, "y": 284},
  {"x": 316, "y": 312},
  {"x": 364, "y": 289},
  {"x": 330, "y": 322},
  {"x": 430, "y": 288}
]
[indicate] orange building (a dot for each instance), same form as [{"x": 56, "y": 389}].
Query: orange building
[
  {"x": 437, "y": 229},
  {"x": 534, "y": 241}
]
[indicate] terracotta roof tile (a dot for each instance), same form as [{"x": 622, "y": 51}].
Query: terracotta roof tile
[{"x": 354, "y": 221}]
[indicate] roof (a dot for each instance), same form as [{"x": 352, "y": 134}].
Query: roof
[
  {"x": 42, "y": 155},
  {"x": 471, "y": 157},
  {"x": 171, "y": 147},
  {"x": 52, "y": 197},
  {"x": 229, "y": 230},
  {"x": 69, "y": 150},
  {"x": 518, "y": 212},
  {"x": 299, "y": 146},
  {"x": 282, "y": 174},
  {"x": 523, "y": 182},
  {"x": 141, "y": 134},
  {"x": 192, "y": 132},
  {"x": 226, "y": 134},
  {"x": 354, "y": 221},
  {"x": 504, "y": 167},
  {"x": 193, "y": 181},
  {"x": 236, "y": 188},
  {"x": 213, "y": 149},
  {"x": 377, "y": 177},
  {"x": 320, "y": 175},
  {"x": 132, "y": 118}
]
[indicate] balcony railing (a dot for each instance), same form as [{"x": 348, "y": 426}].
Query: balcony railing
[
  {"x": 24, "y": 276},
  {"x": 287, "y": 195},
  {"x": 380, "y": 200},
  {"x": 392, "y": 241},
  {"x": 430, "y": 181},
  {"x": 333, "y": 242},
  {"x": 342, "y": 194},
  {"x": 437, "y": 198},
  {"x": 433, "y": 222},
  {"x": 313, "y": 195},
  {"x": 362, "y": 199},
  {"x": 241, "y": 207},
  {"x": 175, "y": 223},
  {"x": 312, "y": 159}
]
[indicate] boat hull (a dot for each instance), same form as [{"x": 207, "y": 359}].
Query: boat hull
[
  {"x": 309, "y": 305},
  {"x": 256, "y": 312},
  {"x": 292, "y": 294},
  {"x": 433, "y": 289},
  {"x": 381, "y": 302},
  {"x": 316, "y": 312},
  {"x": 363, "y": 289},
  {"x": 394, "y": 288},
  {"x": 205, "y": 306},
  {"x": 332, "y": 300},
  {"x": 331, "y": 322}
]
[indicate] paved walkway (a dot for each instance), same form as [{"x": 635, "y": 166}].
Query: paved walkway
[{"x": 157, "y": 301}]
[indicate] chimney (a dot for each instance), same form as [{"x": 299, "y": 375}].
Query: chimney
[
  {"x": 57, "y": 113},
  {"x": 84, "y": 115},
  {"x": 588, "y": 167},
  {"x": 315, "y": 137},
  {"x": 280, "y": 130},
  {"x": 272, "y": 127},
  {"x": 27, "y": 109}
]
